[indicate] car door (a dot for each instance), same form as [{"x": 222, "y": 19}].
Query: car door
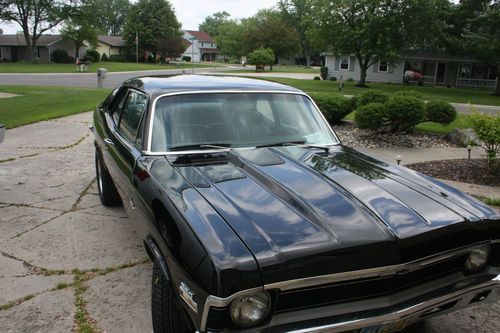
[{"x": 124, "y": 141}]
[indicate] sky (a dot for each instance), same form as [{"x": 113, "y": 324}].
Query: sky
[{"x": 191, "y": 13}]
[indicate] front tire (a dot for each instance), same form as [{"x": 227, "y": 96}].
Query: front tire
[
  {"x": 166, "y": 315},
  {"x": 108, "y": 193}
]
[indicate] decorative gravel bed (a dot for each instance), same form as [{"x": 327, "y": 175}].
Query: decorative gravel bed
[
  {"x": 474, "y": 171},
  {"x": 354, "y": 137}
]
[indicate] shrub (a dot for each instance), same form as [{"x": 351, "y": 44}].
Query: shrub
[
  {"x": 59, "y": 56},
  {"x": 370, "y": 116},
  {"x": 261, "y": 57},
  {"x": 404, "y": 112},
  {"x": 487, "y": 128},
  {"x": 440, "y": 112},
  {"x": 186, "y": 58},
  {"x": 333, "y": 78},
  {"x": 350, "y": 79},
  {"x": 116, "y": 57},
  {"x": 70, "y": 60},
  {"x": 104, "y": 57},
  {"x": 334, "y": 107},
  {"x": 411, "y": 93},
  {"x": 93, "y": 55},
  {"x": 324, "y": 72},
  {"x": 372, "y": 96},
  {"x": 317, "y": 78}
]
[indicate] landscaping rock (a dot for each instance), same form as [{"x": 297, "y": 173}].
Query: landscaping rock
[{"x": 463, "y": 137}]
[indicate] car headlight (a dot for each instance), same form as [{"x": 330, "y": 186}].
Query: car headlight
[
  {"x": 477, "y": 259},
  {"x": 251, "y": 309}
]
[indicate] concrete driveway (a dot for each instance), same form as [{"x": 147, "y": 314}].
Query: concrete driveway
[{"x": 67, "y": 262}]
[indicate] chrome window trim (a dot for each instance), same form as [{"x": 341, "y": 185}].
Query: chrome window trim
[
  {"x": 238, "y": 91},
  {"x": 384, "y": 271}
]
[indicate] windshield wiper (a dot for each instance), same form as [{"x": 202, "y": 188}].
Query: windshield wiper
[
  {"x": 201, "y": 146},
  {"x": 300, "y": 143}
]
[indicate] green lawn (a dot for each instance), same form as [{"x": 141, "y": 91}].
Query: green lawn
[
  {"x": 43, "y": 103},
  {"x": 17, "y": 67},
  {"x": 455, "y": 95}
]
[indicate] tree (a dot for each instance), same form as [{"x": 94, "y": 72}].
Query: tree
[
  {"x": 80, "y": 27},
  {"x": 35, "y": 17},
  {"x": 211, "y": 25},
  {"x": 373, "y": 30},
  {"x": 152, "y": 21},
  {"x": 170, "y": 46},
  {"x": 261, "y": 57},
  {"x": 267, "y": 30},
  {"x": 298, "y": 15},
  {"x": 482, "y": 38},
  {"x": 112, "y": 15},
  {"x": 229, "y": 39}
]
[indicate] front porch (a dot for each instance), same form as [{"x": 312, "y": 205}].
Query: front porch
[{"x": 453, "y": 74}]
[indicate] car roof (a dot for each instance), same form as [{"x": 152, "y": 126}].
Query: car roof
[{"x": 155, "y": 85}]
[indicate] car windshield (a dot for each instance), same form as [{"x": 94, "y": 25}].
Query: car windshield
[{"x": 212, "y": 120}]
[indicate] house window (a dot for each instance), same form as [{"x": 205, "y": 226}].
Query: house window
[
  {"x": 344, "y": 63},
  {"x": 0, "y": 53},
  {"x": 383, "y": 66},
  {"x": 38, "y": 52},
  {"x": 201, "y": 43},
  {"x": 493, "y": 73}
]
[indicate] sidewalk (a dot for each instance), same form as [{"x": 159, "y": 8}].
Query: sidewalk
[{"x": 416, "y": 155}]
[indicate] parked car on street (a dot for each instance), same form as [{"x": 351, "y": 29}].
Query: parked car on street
[{"x": 257, "y": 218}]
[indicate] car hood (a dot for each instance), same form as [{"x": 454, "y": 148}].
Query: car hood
[{"x": 304, "y": 212}]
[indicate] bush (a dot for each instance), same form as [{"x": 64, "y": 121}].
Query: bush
[
  {"x": 333, "y": 78},
  {"x": 404, "y": 112},
  {"x": 70, "y": 60},
  {"x": 116, "y": 57},
  {"x": 440, "y": 112},
  {"x": 104, "y": 57},
  {"x": 186, "y": 58},
  {"x": 93, "y": 55},
  {"x": 350, "y": 79},
  {"x": 411, "y": 93},
  {"x": 372, "y": 96},
  {"x": 261, "y": 57},
  {"x": 333, "y": 107},
  {"x": 370, "y": 116},
  {"x": 59, "y": 56},
  {"x": 317, "y": 78},
  {"x": 324, "y": 72},
  {"x": 487, "y": 128}
]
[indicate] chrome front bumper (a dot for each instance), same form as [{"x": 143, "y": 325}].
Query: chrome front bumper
[{"x": 411, "y": 306}]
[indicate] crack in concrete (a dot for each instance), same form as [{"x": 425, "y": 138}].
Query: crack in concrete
[
  {"x": 82, "y": 194},
  {"x": 16, "y": 204},
  {"x": 38, "y": 225}
]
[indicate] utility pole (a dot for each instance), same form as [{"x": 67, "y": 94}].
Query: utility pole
[{"x": 136, "y": 48}]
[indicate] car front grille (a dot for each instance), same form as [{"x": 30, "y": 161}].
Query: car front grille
[{"x": 365, "y": 288}]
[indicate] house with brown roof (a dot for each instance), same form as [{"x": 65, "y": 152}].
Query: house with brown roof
[
  {"x": 200, "y": 46},
  {"x": 110, "y": 45},
  {"x": 14, "y": 48}
]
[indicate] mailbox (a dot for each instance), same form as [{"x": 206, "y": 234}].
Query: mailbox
[
  {"x": 102, "y": 73},
  {"x": 2, "y": 132}
]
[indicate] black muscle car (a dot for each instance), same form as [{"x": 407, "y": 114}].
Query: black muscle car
[{"x": 258, "y": 219}]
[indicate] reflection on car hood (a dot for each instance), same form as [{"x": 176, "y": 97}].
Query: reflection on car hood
[{"x": 303, "y": 212}]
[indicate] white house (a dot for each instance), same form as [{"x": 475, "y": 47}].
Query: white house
[
  {"x": 200, "y": 46},
  {"x": 110, "y": 45},
  {"x": 435, "y": 68}
]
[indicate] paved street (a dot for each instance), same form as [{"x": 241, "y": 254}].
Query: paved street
[{"x": 62, "y": 253}]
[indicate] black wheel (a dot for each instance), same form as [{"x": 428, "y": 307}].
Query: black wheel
[
  {"x": 107, "y": 190},
  {"x": 166, "y": 314}
]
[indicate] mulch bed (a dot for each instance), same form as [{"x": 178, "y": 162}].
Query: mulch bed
[{"x": 474, "y": 171}]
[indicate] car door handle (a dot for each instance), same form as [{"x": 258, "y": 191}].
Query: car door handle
[{"x": 108, "y": 142}]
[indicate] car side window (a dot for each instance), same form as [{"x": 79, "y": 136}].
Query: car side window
[
  {"x": 117, "y": 105},
  {"x": 131, "y": 115}
]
